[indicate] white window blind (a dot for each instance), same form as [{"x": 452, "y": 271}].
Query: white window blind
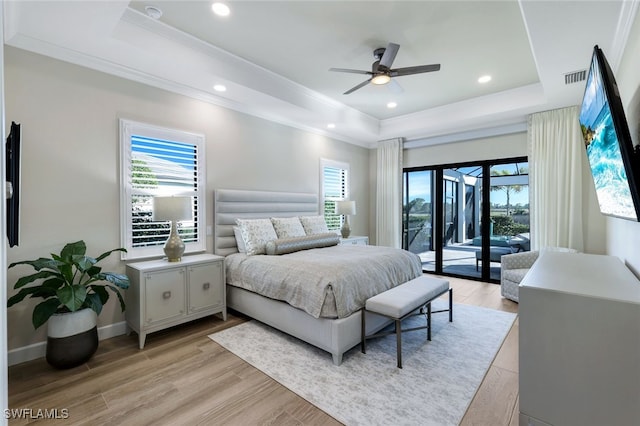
[
  {"x": 159, "y": 162},
  {"x": 335, "y": 187}
]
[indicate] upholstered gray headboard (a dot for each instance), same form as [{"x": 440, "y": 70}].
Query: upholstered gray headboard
[{"x": 230, "y": 204}]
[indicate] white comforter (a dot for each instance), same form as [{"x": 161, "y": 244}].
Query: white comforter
[{"x": 329, "y": 282}]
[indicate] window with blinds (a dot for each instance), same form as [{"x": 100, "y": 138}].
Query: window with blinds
[
  {"x": 335, "y": 187},
  {"x": 160, "y": 162}
]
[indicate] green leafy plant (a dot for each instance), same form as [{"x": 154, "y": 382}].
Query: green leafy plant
[{"x": 70, "y": 281}]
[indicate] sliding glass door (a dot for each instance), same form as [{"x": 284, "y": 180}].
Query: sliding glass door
[
  {"x": 418, "y": 216},
  {"x": 460, "y": 219},
  {"x": 462, "y": 201}
]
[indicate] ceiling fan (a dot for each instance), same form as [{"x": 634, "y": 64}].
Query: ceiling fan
[{"x": 381, "y": 71}]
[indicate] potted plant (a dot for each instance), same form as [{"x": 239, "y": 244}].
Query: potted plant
[{"x": 74, "y": 290}]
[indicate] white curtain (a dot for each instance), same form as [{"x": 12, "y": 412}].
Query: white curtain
[
  {"x": 389, "y": 194},
  {"x": 556, "y": 161}
]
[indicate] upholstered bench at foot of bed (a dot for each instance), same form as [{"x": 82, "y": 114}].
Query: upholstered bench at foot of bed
[{"x": 402, "y": 302}]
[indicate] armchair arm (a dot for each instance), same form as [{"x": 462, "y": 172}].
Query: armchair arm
[{"x": 519, "y": 260}]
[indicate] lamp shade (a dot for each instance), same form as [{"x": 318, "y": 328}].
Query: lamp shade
[
  {"x": 172, "y": 208},
  {"x": 346, "y": 207}
]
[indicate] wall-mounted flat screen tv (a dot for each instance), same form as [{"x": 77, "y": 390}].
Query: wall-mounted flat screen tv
[
  {"x": 612, "y": 157},
  {"x": 12, "y": 164}
]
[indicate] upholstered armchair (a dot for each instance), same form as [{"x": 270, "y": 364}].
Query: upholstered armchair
[
  {"x": 515, "y": 266},
  {"x": 513, "y": 269}
]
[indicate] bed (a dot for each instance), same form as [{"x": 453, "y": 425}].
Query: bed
[{"x": 329, "y": 323}]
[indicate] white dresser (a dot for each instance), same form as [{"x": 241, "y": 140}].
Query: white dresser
[
  {"x": 163, "y": 294},
  {"x": 579, "y": 342}
]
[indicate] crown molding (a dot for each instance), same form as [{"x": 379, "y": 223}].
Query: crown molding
[{"x": 627, "y": 17}]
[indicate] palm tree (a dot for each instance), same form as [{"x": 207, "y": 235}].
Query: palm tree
[{"x": 508, "y": 189}]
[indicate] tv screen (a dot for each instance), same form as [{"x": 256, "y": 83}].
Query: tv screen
[
  {"x": 612, "y": 157},
  {"x": 12, "y": 160}
]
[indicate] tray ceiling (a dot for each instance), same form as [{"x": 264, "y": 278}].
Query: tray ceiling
[{"x": 274, "y": 57}]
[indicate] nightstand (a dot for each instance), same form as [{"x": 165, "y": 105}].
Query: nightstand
[
  {"x": 355, "y": 240},
  {"x": 163, "y": 294}
]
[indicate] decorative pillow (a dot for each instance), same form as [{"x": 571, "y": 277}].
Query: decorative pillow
[
  {"x": 292, "y": 244},
  {"x": 288, "y": 227},
  {"x": 239, "y": 241},
  {"x": 256, "y": 233},
  {"x": 314, "y": 225}
]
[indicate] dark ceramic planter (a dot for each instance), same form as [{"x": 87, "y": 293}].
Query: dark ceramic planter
[{"x": 72, "y": 338}]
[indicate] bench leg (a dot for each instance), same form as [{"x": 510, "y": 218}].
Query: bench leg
[
  {"x": 363, "y": 331},
  {"x": 429, "y": 321},
  {"x": 399, "y": 342},
  {"x": 450, "y": 305}
]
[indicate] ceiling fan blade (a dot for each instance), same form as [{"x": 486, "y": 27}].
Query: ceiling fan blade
[
  {"x": 399, "y": 72},
  {"x": 389, "y": 55},
  {"x": 351, "y": 71},
  {"x": 353, "y": 89}
]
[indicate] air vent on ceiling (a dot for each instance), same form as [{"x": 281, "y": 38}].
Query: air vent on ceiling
[{"x": 575, "y": 77}]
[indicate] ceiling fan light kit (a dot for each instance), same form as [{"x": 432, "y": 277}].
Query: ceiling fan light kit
[
  {"x": 381, "y": 71},
  {"x": 381, "y": 79}
]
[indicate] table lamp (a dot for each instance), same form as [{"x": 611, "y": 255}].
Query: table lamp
[
  {"x": 345, "y": 208},
  {"x": 172, "y": 209}
]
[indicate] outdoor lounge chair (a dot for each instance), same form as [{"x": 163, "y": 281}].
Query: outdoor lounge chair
[{"x": 495, "y": 255}]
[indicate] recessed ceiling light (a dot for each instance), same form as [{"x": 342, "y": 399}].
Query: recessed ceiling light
[
  {"x": 153, "y": 12},
  {"x": 331, "y": 126},
  {"x": 220, "y": 88},
  {"x": 220, "y": 9},
  {"x": 484, "y": 79},
  {"x": 392, "y": 105}
]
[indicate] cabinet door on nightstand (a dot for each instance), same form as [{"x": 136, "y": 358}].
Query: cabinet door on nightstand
[
  {"x": 206, "y": 286},
  {"x": 164, "y": 295}
]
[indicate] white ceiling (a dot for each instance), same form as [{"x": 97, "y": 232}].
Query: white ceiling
[{"x": 274, "y": 57}]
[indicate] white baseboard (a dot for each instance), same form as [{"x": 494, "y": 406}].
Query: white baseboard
[
  {"x": 112, "y": 330},
  {"x": 38, "y": 350}
]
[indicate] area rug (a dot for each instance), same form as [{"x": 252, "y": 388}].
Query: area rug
[{"x": 435, "y": 386}]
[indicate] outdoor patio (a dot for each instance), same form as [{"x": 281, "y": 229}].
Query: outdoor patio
[{"x": 458, "y": 259}]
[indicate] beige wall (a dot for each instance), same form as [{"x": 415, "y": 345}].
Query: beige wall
[
  {"x": 505, "y": 146},
  {"x": 623, "y": 236},
  {"x": 70, "y": 160}
]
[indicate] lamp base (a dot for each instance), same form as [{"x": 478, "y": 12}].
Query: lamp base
[
  {"x": 346, "y": 229},
  {"x": 174, "y": 247}
]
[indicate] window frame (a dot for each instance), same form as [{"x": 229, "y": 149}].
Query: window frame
[
  {"x": 129, "y": 128},
  {"x": 346, "y": 189}
]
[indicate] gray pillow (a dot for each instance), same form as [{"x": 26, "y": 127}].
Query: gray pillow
[{"x": 293, "y": 244}]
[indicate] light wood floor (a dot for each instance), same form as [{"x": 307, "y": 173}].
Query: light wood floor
[{"x": 183, "y": 378}]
